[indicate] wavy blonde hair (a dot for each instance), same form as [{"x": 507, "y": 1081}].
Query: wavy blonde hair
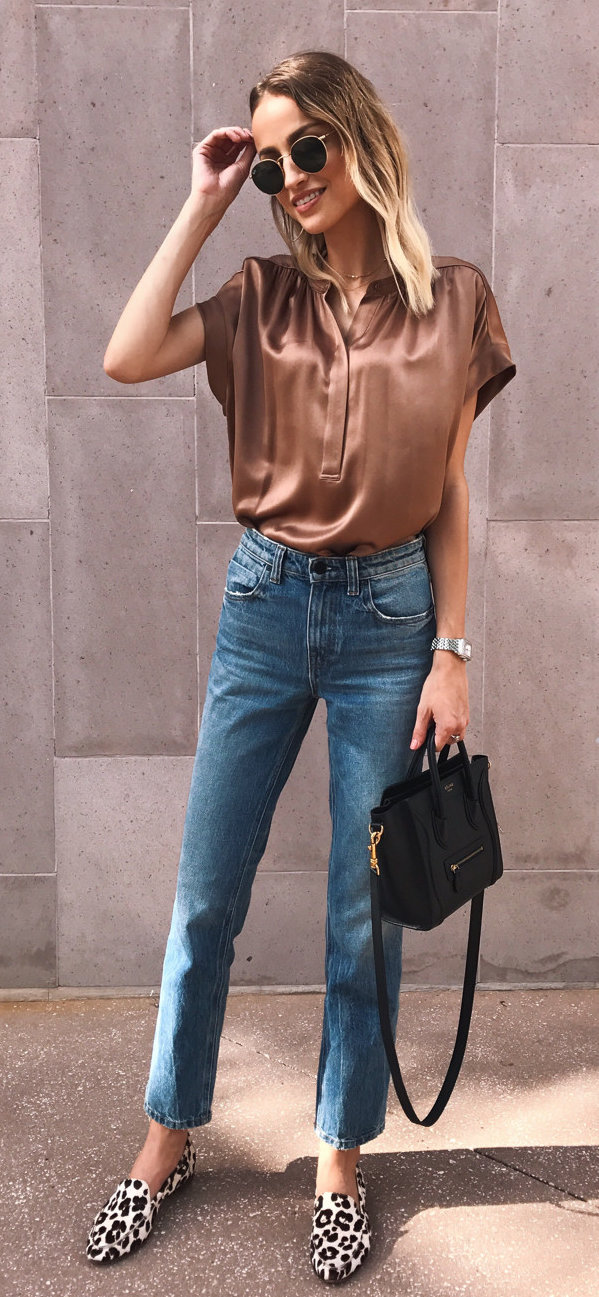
[{"x": 326, "y": 86}]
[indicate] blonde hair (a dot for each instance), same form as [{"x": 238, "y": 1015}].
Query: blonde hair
[{"x": 326, "y": 86}]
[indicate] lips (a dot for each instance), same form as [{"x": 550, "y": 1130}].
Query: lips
[{"x": 316, "y": 193}]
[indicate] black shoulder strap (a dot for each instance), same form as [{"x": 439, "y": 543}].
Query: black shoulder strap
[{"x": 476, "y": 914}]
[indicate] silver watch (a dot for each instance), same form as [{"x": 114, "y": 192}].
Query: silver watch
[{"x": 462, "y": 647}]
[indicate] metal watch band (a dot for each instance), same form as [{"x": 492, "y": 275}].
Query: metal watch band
[{"x": 462, "y": 646}]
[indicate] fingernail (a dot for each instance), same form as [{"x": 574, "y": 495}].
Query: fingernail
[{"x": 414, "y": 743}]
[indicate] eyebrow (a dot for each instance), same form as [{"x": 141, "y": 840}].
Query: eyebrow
[{"x": 290, "y": 138}]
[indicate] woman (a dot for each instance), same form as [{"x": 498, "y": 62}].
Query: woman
[{"x": 349, "y": 370}]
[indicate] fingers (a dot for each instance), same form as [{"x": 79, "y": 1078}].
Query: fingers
[
  {"x": 443, "y": 732},
  {"x": 423, "y": 715},
  {"x": 230, "y": 132},
  {"x": 225, "y": 139}
]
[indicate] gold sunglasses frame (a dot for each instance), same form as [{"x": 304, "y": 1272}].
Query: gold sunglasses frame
[{"x": 281, "y": 156}]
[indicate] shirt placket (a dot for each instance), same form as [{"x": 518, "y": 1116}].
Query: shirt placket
[{"x": 333, "y": 440}]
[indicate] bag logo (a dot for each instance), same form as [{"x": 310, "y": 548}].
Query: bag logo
[{"x": 448, "y": 787}]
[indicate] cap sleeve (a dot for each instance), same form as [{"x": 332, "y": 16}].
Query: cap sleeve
[
  {"x": 491, "y": 365},
  {"x": 220, "y": 314}
]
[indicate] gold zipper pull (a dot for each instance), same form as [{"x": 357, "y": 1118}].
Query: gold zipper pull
[{"x": 375, "y": 836}]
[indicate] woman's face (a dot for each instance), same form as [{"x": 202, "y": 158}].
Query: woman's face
[{"x": 275, "y": 120}]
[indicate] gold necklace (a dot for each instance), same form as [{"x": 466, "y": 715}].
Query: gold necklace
[{"x": 347, "y": 276}]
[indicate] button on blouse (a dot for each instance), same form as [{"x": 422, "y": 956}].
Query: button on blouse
[{"x": 339, "y": 445}]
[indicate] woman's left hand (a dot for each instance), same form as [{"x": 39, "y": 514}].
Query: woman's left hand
[{"x": 444, "y": 697}]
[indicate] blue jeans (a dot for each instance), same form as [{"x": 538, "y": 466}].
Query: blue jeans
[{"x": 294, "y": 627}]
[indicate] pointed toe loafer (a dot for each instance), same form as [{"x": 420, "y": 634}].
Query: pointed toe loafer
[
  {"x": 128, "y": 1215},
  {"x": 340, "y": 1239}
]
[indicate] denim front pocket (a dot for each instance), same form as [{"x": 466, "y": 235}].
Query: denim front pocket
[
  {"x": 246, "y": 575},
  {"x": 403, "y": 595}
]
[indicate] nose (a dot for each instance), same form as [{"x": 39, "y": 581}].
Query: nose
[{"x": 295, "y": 172}]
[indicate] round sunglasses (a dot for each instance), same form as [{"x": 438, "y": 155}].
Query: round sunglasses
[{"x": 309, "y": 154}]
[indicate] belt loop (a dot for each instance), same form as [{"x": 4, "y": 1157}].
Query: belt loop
[
  {"x": 353, "y": 577},
  {"x": 277, "y": 561}
]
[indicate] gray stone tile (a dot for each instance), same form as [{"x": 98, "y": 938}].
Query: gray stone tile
[
  {"x": 539, "y": 927},
  {"x": 24, "y": 478},
  {"x": 437, "y": 958},
  {"x": 119, "y": 825},
  {"x": 259, "y": 37},
  {"x": 424, "y": 89},
  {"x": 283, "y": 936},
  {"x": 124, "y": 582},
  {"x": 152, "y": 4},
  {"x": 124, "y": 174},
  {"x": 26, "y": 752},
  {"x": 28, "y": 930},
  {"x": 541, "y": 692},
  {"x": 548, "y": 75},
  {"x": 17, "y": 86},
  {"x": 543, "y": 461},
  {"x": 426, "y": 6}
]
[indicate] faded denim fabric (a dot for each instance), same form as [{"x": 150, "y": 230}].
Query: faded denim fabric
[{"x": 294, "y": 627}]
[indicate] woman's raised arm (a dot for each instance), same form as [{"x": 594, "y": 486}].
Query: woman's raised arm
[{"x": 149, "y": 341}]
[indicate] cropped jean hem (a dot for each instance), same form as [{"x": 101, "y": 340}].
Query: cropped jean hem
[
  {"x": 347, "y": 1143},
  {"x": 202, "y": 1120}
]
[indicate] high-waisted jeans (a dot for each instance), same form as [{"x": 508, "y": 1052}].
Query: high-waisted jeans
[{"x": 295, "y": 627}]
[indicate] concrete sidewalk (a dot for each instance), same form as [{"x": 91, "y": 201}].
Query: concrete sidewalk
[{"x": 499, "y": 1198}]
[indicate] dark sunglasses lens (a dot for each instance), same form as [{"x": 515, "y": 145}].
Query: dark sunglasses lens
[
  {"x": 268, "y": 177},
  {"x": 309, "y": 153}
]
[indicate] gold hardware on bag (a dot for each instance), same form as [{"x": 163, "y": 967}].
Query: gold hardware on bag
[
  {"x": 375, "y": 836},
  {"x": 464, "y": 858}
]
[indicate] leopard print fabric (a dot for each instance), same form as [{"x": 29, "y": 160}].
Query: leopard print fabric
[
  {"x": 340, "y": 1238},
  {"x": 127, "y": 1217}
]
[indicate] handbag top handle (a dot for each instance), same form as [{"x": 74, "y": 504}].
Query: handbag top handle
[{"x": 433, "y": 765}]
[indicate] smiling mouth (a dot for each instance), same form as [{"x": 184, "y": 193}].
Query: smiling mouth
[{"x": 304, "y": 207}]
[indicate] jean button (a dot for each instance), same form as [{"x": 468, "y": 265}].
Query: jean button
[{"x": 319, "y": 565}]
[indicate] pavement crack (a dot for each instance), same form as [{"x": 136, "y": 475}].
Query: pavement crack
[
  {"x": 531, "y": 1175},
  {"x": 280, "y": 1062}
]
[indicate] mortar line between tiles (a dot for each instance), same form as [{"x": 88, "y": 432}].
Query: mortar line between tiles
[{"x": 530, "y": 1175}]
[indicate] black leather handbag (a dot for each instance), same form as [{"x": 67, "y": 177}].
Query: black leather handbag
[{"x": 434, "y": 846}]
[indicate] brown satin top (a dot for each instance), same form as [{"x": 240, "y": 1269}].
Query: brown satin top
[{"x": 339, "y": 446}]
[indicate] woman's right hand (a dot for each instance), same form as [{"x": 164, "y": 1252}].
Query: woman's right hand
[{"x": 221, "y": 163}]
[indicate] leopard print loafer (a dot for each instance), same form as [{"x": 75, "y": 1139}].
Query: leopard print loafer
[
  {"x": 340, "y": 1238},
  {"x": 128, "y": 1215}
]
